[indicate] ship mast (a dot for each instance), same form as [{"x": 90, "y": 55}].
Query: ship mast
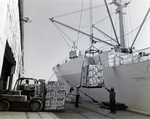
[
  {"x": 121, "y": 20},
  {"x": 121, "y": 47}
]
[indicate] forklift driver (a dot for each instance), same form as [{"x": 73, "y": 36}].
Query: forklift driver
[{"x": 27, "y": 90}]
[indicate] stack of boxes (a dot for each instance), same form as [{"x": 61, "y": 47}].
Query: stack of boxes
[
  {"x": 55, "y": 96},
  {"x": 95, "y": 76},
  {"x": 92, "y": 76},
  {"x": 84, "y": 76},
  {"x": 71, "y": 98}
]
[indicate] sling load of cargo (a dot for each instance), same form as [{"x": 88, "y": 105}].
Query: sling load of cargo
[{"x": 92, "y": 69}]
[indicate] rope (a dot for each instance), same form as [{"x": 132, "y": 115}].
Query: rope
[
  {"x": 78, "y": 11},
  {"x": 80, "y": 90},
  {"x": 103, "y": 19},
  {"x": 80, "y": 21},
  {"x": 141, "y": 33},
  {"x": 51, "y": 77},
  {"x": 66, "y": 36},
  {"x": 130, "y": 21},
  {"x": 63, "y": 36},
  {"x": 135, "y": 28}
]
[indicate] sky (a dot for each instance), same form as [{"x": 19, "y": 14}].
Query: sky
[{"x": 45, "y": 47}]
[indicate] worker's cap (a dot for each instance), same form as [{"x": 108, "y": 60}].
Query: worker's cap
[
  {"x": 27, "y": 80},
  {"x": 112, "y": 88},
  {"x": 78, "y": 86}
]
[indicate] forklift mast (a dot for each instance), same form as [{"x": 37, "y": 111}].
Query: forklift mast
[{"x": 42, "y": 90}]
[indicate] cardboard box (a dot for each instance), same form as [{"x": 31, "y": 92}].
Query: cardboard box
[{"x": 55, "y": 96}]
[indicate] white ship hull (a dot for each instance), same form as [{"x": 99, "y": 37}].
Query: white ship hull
[{"x": 131, "y": 82}]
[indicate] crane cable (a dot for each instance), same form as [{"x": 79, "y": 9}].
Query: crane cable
[
  {"x": 51, "y": 77},
  {"x": 78, "y": 11},
  {"x": 80, "y": 22},
  {"x": 141, "y": 33},
  {"x": 61, "y": 31}
]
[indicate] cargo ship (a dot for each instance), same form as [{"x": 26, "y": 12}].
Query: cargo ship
[{"x": 125, "y": 68}]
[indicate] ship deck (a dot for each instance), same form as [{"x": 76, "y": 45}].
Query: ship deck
[{"x": 85, "y": 110}]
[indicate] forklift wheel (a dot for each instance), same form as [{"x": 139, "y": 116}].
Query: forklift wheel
[
  {"x": 4, "y": 105},
  {"x": 36, "y": 105}
]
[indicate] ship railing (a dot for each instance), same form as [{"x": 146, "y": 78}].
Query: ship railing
[
  {"x": 137, "y": 56},
  {"x": 120, "y": 59},
  {"x": 67, "y": 59},
  {"x": 63, "y": 61}
]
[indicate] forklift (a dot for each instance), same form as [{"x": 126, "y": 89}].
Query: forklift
[{"x": 19, "y": 98}]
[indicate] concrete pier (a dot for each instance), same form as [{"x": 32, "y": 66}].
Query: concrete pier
[{"x": 85, "y": 110}]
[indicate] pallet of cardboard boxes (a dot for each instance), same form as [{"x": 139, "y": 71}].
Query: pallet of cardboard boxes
[{"x": 55, "y": 96}]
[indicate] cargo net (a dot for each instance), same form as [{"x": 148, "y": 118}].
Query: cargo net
[{"x": 92, "y": 71}]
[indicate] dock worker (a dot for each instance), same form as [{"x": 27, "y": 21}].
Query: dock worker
[
  {"x": 112, "y": 96},
  {"x": 77, "y": 96},
  {"x": 26, "y": 85},
  {"x": 27, "y": 90},
  {"x": 71, "y": 90}
]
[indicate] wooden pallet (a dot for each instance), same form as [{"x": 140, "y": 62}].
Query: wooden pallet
[{"x": 118, "y": 106}]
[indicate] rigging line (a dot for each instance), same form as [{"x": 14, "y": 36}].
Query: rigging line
[
  {"x": 51, "y": 77},
  {"x": 111, "y": 28},
  {"x": 80, "y": 21},
  {"x": 62, "y": 35},
  {"x": 93, "y": 24},
  {"x": 130, "y": 20},
  {"x": 107, "y": 41},
  {"x": 135, "y": 28},
  {"x": 83, "y": 35},
  {"x": 86, "y": 32},
  {"x": 141, "y": 33},
  {"x": 66, "y": 35},
  {"x": 60, "y": 31},
  {"x": 78, "y": 11},
  {"x": 51, "y": 19},
  {"x": 69, "y": 38},
  {"x": 126, "y": 29},
  {"x": 66, "y": 79},
  {"x": 112, "y": 22},
  {"x": 96, "y": 22},
  {"x": 103, "y": 19},
  {"x": 102, "y": 47},
  {"x": 104, "y": 34},
  {"x": 78, "y": 26},
  {"x": 140, "y": 27},
  {"x": 138, "y": 68}
]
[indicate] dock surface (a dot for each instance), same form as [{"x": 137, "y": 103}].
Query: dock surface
[{"x": 86, "y": 110}]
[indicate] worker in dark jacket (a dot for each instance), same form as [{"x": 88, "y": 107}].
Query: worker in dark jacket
[
  {"x": 112, "y": 96},
  {"x": 71, "y": 90},
  {"x": 27, "y": 90},
  {"x": 77, "y": 96}
]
